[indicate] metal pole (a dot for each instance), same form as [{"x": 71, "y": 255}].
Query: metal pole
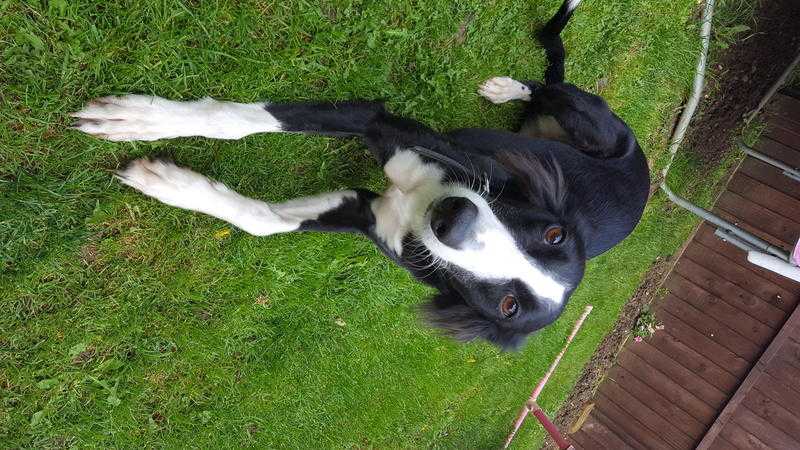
[
  {"x": 772, "y": 90},
  {"x": 728, "y": 227},
  {"x": 733, "y": 240},
  {"x": 789, "y": 171}
]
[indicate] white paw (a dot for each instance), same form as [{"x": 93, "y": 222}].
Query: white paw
[
  {"x": 177, "y": 186},
  {"x": 135, "y": 118},
  {"x": 147, "y": 118},
  {"x": 503, "y": 89},
  {"x": 170, "y": 184}
]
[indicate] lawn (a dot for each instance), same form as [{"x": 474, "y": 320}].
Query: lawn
[{"x": 131, "y": 324}]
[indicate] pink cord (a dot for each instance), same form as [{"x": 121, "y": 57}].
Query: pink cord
[
  {"x": 538, "y": 390},
  {"x": 551, "y": 429}
]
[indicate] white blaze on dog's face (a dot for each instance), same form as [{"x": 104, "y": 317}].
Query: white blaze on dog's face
[
  {"x": 486, "y": 249},
  {"x": 506, "y": 268},
  {"x": 509, "y": 270}
]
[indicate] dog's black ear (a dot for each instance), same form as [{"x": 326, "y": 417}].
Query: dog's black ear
[
  {"x": 540, "y": 178},
  {"x": 449, "y": 313}
]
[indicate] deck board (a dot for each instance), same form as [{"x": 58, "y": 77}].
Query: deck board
[
  {"x": 693, "y": 361},
  {"x": 645, "y": 414},
  {"x": 704, "y": 391},
  {"x": 734, "y": 436},
  {"x": 711, "y": 350},
  {"x": 705, "y": 236},
  {"x": 772, "y": 223},
  {"x": 711, "y": 327},
  {"x": 738, "y": 275},
  {"x": 631, "y": 425},
  {"x": 741, "y": 321},
  {"x": 663, "y": 406},
  {"x": 600, "y": 433}
]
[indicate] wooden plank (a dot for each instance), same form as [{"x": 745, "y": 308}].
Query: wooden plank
[
  {"x": 666, "y": 386},
  {"x": 772, "y": 199},
  {"x": 780, "y": 227},
  {"x": 787, "y": 125},
  {"x": 755, "y": 229},
  {"x": 605, "y": 437},
  {"x": 772, "y": 177},
  {"x": 791, "y": 352},
  {"x": 763, "y": 430},
  {"x": 773, "y": 412},
  {"x": 738, "y": 275},
  {"x": 688, "y": 380},
  {"x": 785, "y": 372},
  {"x": 765, "y": 363},
  {"x": 772, "y": 314},
  {"x": 705, "y": 235},
  {"x": 663, "y": 406},
  {"x": 721, "y": 356},
  {"x": 780, "y": 392},
  {"x": 781, "y": 132},
  {"x": 777, "y": 150},
  {"x": 603, "y": 418},
  {"x": 580, "y": 440},
  {"x": 731, "y": 316},
  {"x": 645, "y": 414},
  {"x": 786, "y": 107},
  {"x": 697, "y": 363},
  {"x": 734, "y": 436},
  {"x": 711, "y": 328},
  {"x": 629, "y": 425}
]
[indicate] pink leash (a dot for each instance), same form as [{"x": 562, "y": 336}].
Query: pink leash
[{"x": 531, "y": 406}]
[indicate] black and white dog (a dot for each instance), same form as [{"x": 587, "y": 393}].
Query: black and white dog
[{"x": 500, "y": 223}]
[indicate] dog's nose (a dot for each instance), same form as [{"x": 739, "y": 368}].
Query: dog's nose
[{"x": 452, "y": 219}]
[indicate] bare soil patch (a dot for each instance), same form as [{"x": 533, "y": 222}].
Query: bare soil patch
[{"x": 741, "y": 75}]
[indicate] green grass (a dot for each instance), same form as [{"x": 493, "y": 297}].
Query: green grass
[{"x": 128, "y": 323}]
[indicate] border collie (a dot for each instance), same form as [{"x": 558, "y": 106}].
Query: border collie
[{"x": 500, "y": 223}]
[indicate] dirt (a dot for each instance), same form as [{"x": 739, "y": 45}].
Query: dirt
[
  {"x": 595, "y": 370},
  {"x": 85, "y": 356},
  {"x": 741, "y": 74},
  {"x": 89, "y": 253}
]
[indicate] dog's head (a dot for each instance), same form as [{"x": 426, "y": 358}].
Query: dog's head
[{"x": 507, "y": 262}]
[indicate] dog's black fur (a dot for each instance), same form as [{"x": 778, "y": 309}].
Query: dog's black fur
[
  {"x": 573, "y": 167},
  {"x": 593, "y": 179}
]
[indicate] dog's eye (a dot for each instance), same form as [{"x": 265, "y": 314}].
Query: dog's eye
[
  {"x": 554, "y": 235},
  {"x": 508, "y": 306}
]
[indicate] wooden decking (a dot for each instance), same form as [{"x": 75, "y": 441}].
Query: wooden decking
[{"x": 725, "y": 371}]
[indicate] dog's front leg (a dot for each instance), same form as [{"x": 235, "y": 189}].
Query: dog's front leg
[
  {"x": 177, "y": 186},
  {"x": 147, "y": 118}
]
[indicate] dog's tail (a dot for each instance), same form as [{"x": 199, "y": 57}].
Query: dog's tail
[{"x": 550, "y": 38}]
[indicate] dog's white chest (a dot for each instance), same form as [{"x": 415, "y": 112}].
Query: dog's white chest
[{"x": 401, "y": 209}]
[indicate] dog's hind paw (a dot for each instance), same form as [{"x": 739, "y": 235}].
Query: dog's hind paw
[{"x": 503, "y": 89}]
